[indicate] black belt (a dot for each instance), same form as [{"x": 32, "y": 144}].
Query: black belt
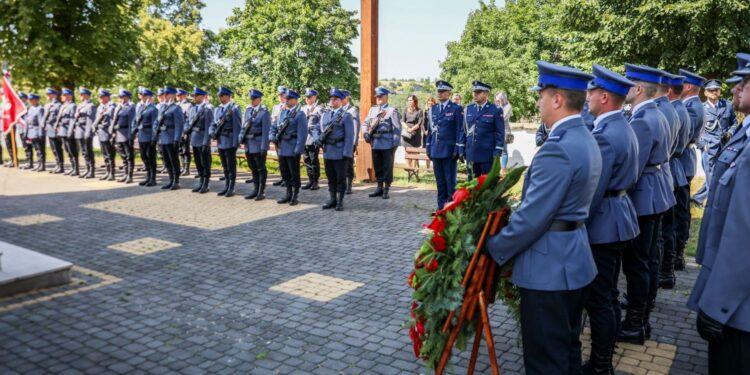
[
  {"x": 653, "y": 168},
  {"x": 614, "y": 193},
  {"x": 565, "y": 226}
]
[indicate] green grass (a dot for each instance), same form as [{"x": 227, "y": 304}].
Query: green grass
[{"x": 696, "y": 214}]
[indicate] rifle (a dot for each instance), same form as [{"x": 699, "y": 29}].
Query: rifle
[
  {"x": 195, "y": 121},
  {"x": 160, "y": 124},
  {"x": 114, "y": 126},
  {"x": 59, "y": 117},
  {"x": 284, "y": 125},
  {"x": 373, "y": 127},
  {"x": 327, "y": 132},
  {"x": 71, "y": 129},
  {"x": 248, "y": 124},
  {"x": 98, "y": 121},
  {"x": 220, "y": 125},
  {"x": 45, "y": 118}
]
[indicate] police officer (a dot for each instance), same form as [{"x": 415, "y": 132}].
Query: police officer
[
  {"x": 446, "y": 141},
  {"x": 721, "y": 289},
  {"x": 185, "y": 145},
  {"x": 612, "y": 218},
  {"x": 171, "y": 121},
  {"x": 354, "y": 112},
  {"x": 289, "y": 134},
  {"x": 651, "y": 195},
  {"x": 83, "y": 135},
  {"x": 720, "y": 120},
  {"x": 65, "y": 131},
  {"x": 275, "y": 113},
  {"x": 256, "y": 126},
  {"x": 51, "y": 111},
  {"x": 484, "y": 127},
  {"x": 547, "y": 237},
  {"x": 35, "y": 131},
  {"x": 674, "y": 221},
  {"x": 313, "y": 111},
  {"x": 144, "y": 126},
  {"x": 23, "y": 131},
  {"x": 336, "y": 138},
  {"x": 382, "y": 129},
  {"x": 160, "y": 99},
  {"x": 200, "y": 119},
  {"x": 105, "y": 115},
  {"x": 691, "y": 99},
  {"x": 225, "y": 129},
  {"x": 121, "y": 131}
]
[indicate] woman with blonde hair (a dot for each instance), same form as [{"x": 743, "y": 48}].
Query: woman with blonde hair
[{"x": 501, "y": 100}]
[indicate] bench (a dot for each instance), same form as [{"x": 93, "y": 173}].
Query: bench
[{"x": 414, "y": 155}]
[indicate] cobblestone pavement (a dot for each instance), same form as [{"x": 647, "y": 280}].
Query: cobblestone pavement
[{"x": 256, "y": 289}]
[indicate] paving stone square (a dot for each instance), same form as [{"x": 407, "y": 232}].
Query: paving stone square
[
  {"x": 212, "y": 305},
  {"x": 32, "y": 219},
  {"x": 143, "y": 246}
]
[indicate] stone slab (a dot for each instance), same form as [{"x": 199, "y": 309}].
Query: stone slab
[{"x": 24, "y": 270}]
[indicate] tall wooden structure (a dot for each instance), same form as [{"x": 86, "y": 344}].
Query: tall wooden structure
[{"x": 367, "y": 82}]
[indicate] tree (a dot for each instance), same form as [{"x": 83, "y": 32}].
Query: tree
[
  {"x": 67, "y": 42},
  {"x": 297, "y": 44}
]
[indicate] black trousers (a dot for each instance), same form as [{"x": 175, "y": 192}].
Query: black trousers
[
  {"x": 40, "y": 145},
  {"x": 185, "y": 152},
  {"x": 636, "y": 260},
  {"x": 57, "y": 149},
  {"x": 667, "y": 240},
  {"x": 87, "y": 149},
  {"x": 257, "y": 161},
  {"x": 202, "y": 156},
  {"x": 336, "y": 173},
  {"x": 654, "y": 262},
  {"x": 108, "y": 151},
  {"x": 732, "y": 355},
  {"x": 171, "y": 158},
  {"x": 350, "y": 167},
  {"x": 682, "y": 219},
  {"x": 312, "y": 162},
  {"x": 71, "y": 148},
  {"x": 127, "y": 154},
  {"x": 229, "y": 163},
  {"x": 28, "y": 147},
  {"x": 599, "y": 304},
  {"x": 550, "y": 329},
  {"x": 382, "y": 161},
  {"x": 9, "y": 147},
  {"x": 148, "y": 156},
  {"x": 289, "y": 166}
]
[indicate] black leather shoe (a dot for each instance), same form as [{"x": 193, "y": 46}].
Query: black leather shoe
[{"x": 331, "y": 202}]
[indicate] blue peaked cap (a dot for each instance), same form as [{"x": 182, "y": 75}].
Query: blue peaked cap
[
  {"x": 380, "y": 91},
  {"x": 291, "y": 94},
  {"x": 608, "y": 80},
  {"x": 643, "y": 73},
  {"x": 253, "y": 93},
  {"x": 336, "y": 93},
  {"x": 692, "y": 78},
  {"x": 561, "y": 77}
]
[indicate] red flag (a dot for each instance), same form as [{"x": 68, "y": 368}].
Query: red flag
[{"x": 13, "y": 107}]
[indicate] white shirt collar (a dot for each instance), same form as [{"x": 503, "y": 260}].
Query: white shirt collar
[
  {"x": 560, "y": 121},
  {"x": 712, "y": 104},
  {"x": 601, "y": 117},
  {"x": 690, "y": 97},
  {"x": 641, "y": 104}
]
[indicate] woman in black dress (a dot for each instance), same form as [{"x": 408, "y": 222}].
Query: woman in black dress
[{"x": 413, "y": 123}]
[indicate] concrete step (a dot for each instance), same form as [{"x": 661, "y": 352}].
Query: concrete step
[{"x": 23, "y": 270}]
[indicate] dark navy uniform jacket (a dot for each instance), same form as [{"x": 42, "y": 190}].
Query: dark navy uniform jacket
[
  {"x": 229, "y": 136},
  {"x": 124, "y": 122},
  {"x": 259, "y": 122},
  {"x": 339, "y": 143},
  {"x": 104, "y": 116},
  {"x": 612, "y": 216},
  {"x": 722, "y": 289},
  {"x": 172, "y": 125},
  {"x": 51, "y": 111},
  {"x": 560, "y": 185},
  {"x": 85, "y": 115},
  {"x": 697, "y": 118},
  {"x": 204, "y": 117},
  {"x": 146, "y": 120},
  {"x": 445, "y": 133},
  {"x": 652, "y": 193},
  {"x": 485, "y": 132},
  {"x": 683, "y": 137},
  {"x": 292, "y": 140},
  {"x": 719, "y": 120},
  {"x": 66, "y": 118}
]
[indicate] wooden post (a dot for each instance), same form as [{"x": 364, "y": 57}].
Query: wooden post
[{"x": 367, "y": 82}]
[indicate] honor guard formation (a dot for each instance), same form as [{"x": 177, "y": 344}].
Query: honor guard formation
[{"x": 608, "y": 190}]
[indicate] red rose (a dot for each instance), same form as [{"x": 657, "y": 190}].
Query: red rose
[
  {"x": 411, "y": 280},
  {"x": 437, "y": 225},
  {"x": 438, "y": 242},
  {"x": 418, "y": 262},
  {"x": 461, "y": 195},
  {"x": 508, "y": 295},
  {"x": 480, "y": 181},
  {"x": 432, "y": 266},
  {"x": 414, "y": 306},
  {"x": 420, "y": 328}
]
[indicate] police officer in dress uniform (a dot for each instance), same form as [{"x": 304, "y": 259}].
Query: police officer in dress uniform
[
  {"x": 337, "y": 139},
  {"x": 547, "y": 237},
  {"x": 314, "y": 112},
  {"x": 144, "y": 126},
  {"x": 51, "y": 111},
  {"x": 612, "y": 218},
  {"x": 690, "y": 97},
  {"x": 160, "y": 99},
  {"x": 720, "y": 124},
  {"x": 200, "y": 119},
  {"x": 275, "y": 113},
  {"x": 256, "y": 126},
  {"x": 289, "y": 134},
  {"x": 65, "y": 131},
  {"x": 446, "y": 141},
  {"x": 354, "y": 112},
  {"x": 652, "y": 196},
  {"x": 382, "y": 129},
  {"x": 121, "y": 131},
  {"x": 720, "y": 294},
  {"x": 171, "y": 121},
  {"x": 673, "y": 222},
  {"x": 484, "y": 127},
  {"x": 225, "y": 129},
  {"x": 185, "y": 145},
  {"x": 84, "y": 137},
  {"x": 542, "y": 132},
  {"x": 23, "y": 131},
  {"x": 35, "y": 130},
  {"x": 105, "y": 115}
]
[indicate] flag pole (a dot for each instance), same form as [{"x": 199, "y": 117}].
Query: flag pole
[{"x": 13, "y": 145}]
